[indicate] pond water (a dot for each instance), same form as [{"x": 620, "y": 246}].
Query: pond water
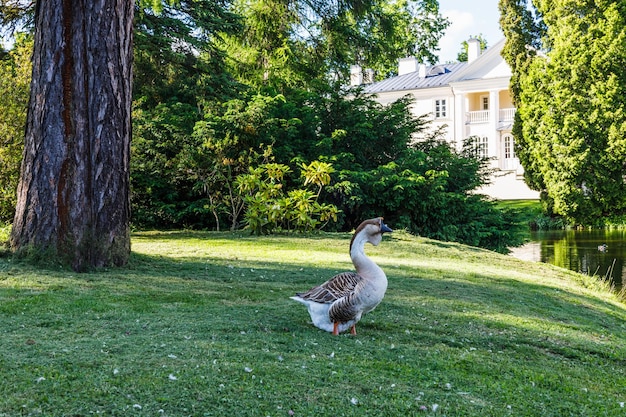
[{"x": 591, "y": 252}]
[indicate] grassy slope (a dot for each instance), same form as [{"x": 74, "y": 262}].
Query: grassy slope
[{"x": 201, "y": 324}]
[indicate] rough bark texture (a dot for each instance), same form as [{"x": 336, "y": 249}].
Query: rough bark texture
[{"x": 73, "y": 195}]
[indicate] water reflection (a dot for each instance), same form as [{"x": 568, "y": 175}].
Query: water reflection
[{"x": 591, "y": 252}]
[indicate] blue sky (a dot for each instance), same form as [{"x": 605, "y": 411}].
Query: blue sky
[{"x": 468, "y": 18}]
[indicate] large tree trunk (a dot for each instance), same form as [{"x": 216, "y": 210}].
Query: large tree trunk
[{"x": 73, "y": 195}]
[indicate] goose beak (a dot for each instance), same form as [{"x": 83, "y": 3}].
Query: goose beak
[{"x": 385, "y": 229}]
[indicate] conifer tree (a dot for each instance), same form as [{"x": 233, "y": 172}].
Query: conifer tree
[{"x": 571, "y": 119}]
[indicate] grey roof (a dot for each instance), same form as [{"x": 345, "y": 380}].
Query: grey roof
[{"x": 436, "y": 76}]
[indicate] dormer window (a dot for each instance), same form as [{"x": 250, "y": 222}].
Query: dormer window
[
  {"x": 436, "y": 70},
  {"x": 441, "y": 108}
]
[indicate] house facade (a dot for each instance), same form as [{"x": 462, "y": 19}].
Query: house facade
[{"x": 468, "y": 99}]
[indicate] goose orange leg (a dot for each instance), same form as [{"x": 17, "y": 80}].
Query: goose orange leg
[
  {"x": 335, "y": 328},
  {"x": 353, "y": 330}
]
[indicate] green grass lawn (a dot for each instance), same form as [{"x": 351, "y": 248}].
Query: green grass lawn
[{"x": 201, "y": 324}]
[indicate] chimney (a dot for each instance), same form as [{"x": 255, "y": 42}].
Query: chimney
[
  {"x": 368, "y": 76},
  {"x": 407, "y": 65},
  {"x": 422, "y": 71},
  {"x": 473, "y": 50},
  {"x": 356, "y": 75}
]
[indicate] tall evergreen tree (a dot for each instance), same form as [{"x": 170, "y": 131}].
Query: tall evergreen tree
[
  {"x": 571, "y": 125},
  {"x": 287, "y": 43},
  {"x": 73, "y": 194}
]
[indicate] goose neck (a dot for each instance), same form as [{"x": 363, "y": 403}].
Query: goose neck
[{"x": 357, "y": 253}]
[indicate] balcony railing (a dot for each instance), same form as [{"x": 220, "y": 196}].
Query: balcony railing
[
  {"x": 507, "y": 115},
  {"x": 482, "y": 116},
  {"x": 478, "y": 116}
]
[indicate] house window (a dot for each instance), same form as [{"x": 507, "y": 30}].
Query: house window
[
  {"x": 484, "y": 102},
  {"x": 441, "y": 109},
  {"x": 509, "y": 150},
  {"x": 480, "y": 145}
]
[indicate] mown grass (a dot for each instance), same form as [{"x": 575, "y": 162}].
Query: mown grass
[{"x": 200, "y": 324}]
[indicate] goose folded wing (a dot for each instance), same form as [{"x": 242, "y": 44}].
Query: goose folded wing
[{"x": 341, "y": 285}]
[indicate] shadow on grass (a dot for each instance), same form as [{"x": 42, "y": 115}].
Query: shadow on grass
[
  {"x": 157, "y": 281},
  {"x": 499, "y": 301}
]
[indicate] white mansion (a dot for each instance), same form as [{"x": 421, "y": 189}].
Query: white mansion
[{"x": 469, "y": 98}]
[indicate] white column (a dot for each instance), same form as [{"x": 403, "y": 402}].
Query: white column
[
  {"x": 459, "y": 119},
  {"x": 494, "y": 115}
]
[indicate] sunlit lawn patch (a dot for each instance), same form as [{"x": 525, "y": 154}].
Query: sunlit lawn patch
[{"x": 201, "y": 324}]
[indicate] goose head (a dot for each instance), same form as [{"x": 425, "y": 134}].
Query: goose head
[{"x": 371, "y": 231}]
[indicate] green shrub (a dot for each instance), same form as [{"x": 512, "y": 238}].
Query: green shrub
[{"x": 269, "y": 208}]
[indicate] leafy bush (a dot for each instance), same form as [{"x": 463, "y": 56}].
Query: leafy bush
[
  {"x": 303, "y": 160},
  {"x": 429, "y": 191},
  {"x": 269, "y": 208}
]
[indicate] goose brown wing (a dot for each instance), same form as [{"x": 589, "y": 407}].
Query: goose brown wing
[{"x": 335, "y": 288}]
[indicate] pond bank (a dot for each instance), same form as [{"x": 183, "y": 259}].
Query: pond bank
[{"x": 592, "y": 252}]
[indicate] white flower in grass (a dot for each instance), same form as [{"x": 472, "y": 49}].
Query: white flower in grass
[
  {"x": 247, "y": 369},
  {"x": 171, "y": 356},
  {"x": 116, "y": 371},
  {"x": 354, "y": 401},
  {"x": 172, "y": 377},
  {"x": 434, "y": 407},
  {"x": 137, "y": 407},
  {"x": 621, "y": 404},
  {"x": 40, "y": 379}
]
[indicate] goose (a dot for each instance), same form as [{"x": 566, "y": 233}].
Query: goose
[{"x": 338, "y": 304}]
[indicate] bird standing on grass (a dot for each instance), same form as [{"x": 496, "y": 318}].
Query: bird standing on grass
[{"x": 338, "y": 304}]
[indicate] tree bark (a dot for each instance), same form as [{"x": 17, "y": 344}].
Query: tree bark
[{"x": 73, "y": 194}]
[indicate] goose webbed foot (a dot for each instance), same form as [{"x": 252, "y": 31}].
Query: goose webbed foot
[{"x": 336, "y": 329}]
